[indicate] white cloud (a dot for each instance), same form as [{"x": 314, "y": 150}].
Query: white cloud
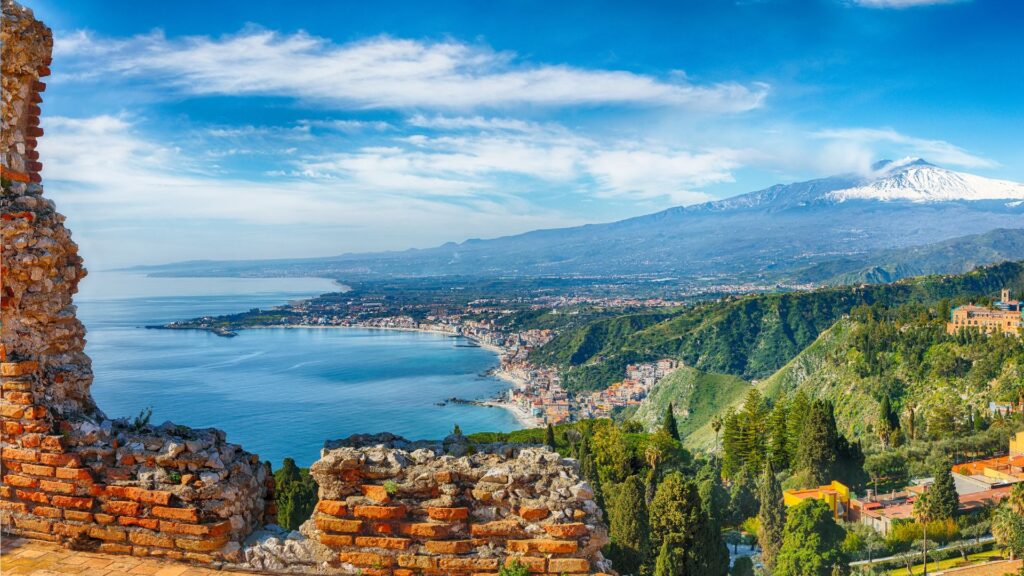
[
  {"x": 651, "y": 174},
  {"x": 899, "y": 4},
  {"x": 380, "y": 72},
  {"x": 863, "y": 145}
]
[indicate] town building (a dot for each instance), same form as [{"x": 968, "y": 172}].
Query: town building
[
  {"x": 836, "y": 495},
  {"x": 1003, "y": 318}
]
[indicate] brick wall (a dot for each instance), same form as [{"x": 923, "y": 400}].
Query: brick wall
[
  {"x": 67, "y": 472},
  {"x": 389, "y": 506}
]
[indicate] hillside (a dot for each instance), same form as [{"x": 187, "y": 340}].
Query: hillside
[
  {"x": 696, "y": 397},
  {"x": 954, "y": 256},
  {"x": 753, "y": 336}
]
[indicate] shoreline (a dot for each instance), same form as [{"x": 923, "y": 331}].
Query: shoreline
[{"x": 525, "y": 420}]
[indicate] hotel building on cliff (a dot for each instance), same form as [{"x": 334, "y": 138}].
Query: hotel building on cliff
[{"x": 1004, "y": 318}]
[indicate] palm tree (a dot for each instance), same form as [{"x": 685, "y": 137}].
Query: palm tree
[{"x": 716, "y": 424}]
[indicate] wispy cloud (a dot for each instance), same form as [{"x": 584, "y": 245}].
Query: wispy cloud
[
  {"x": 864, "y": 144},
  {"x": 381, "y": 72}
]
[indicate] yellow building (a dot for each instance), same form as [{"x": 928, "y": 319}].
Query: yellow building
[
  {"x": 836, "y": 495},
  {"x": 1004, "y": 318},
  {"x": 1017, "y": 445}
]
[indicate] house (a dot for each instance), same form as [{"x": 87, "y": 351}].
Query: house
[
  {"x": 1004, "y": 318},
  {"x": 836, "y": 495}
]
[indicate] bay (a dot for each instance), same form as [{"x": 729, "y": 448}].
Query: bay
[{"x": 277, "y": 392}]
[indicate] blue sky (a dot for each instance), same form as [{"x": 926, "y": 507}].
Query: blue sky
[{"x": 182, "y": 130}]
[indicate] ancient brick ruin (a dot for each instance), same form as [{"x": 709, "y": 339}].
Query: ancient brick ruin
[{"x": 72, "y": 475}]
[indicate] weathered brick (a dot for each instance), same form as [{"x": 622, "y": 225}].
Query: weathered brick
[
  {"x": 71, "y": 530},
  {"x": 204, "y": 545},
  {"x": 23, "y": 398},
  {"x": 450, "y": 546},
  {"x": 148, "y": 523},
  {"x": 48, "y": 512},
  {"x": 180, "y": 514},
  {"x": 104, "y": 518},
  {"x": 12, "y": 411},
  {"x": 566, "y": 530},
  {"x": 569, "y": 565},
  {"x": 60, "y": 459},
  {"x": 13, "y": 428},
  {"x": 21, "y": 481},
  {"x": 532, "y": 563},
  {"x": 15, "y": 369},
  {"x": 144, "y": 539},
  {"x": 20, "y": 455},
  {"x": 33, "y": 524},
  {"x": 371, "y": 559},
  {"x": 335, "y": 525},
  {"x": 375, "y": 493},
  {"x": 335, "y": 540},
  {"x": 533, "y": 513},
  {"x": 37, "y": 497},
  {"x": 415, "y": 561},
  {"x": 382, "y": 542},
  {"x": 58, "y": 487},
  {"x": 426, "y": 530},
  {"x": 332, "y": 507},
  {"x": 469, "y": 564},
  {"x": 74, "y": 474},
  {"x": 380, "y": 512},
  {"x": 448, "y": 514},
  {"x": 543, "y": 546},
  {"x": 112, "y": 533},
  {"x": 37, "y": 470},
  {"x": 31, "y": 440},
  {"x": 122, "y": 508},
  {"x": 53, "y": 444},
  {"x": 79, "y": 502},
  {"x": 19, "y": 507},
  {"x": 497, "y": 528},
  {"x": 77, "y": 516}
]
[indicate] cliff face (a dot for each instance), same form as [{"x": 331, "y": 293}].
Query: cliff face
[{"x": 72, "y": 475}]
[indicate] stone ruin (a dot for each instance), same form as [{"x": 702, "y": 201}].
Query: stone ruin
[{"x": 74, "y": 476}]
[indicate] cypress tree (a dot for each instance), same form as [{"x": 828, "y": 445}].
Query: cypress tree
[
  {"x": 771, "y": 516},
  {"x": 819, "y": 445},
  {"x": 943, "y": 500},
  {"x": 667, "y": 563},
  {"x": 671, "y": 426},
  {"x": 549, "y": 436},
  {"x": 799, "y": 407},
  {"x": 811, "y": 543},
  {"x": 628, "y": 526}
]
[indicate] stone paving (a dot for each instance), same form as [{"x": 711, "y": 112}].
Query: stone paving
[{"x": 19, "y": 556}]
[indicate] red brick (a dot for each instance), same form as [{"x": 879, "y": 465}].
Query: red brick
[
  {"x": 111, "y": 534},
  {"x": 59, "y": 487},
  {"x": 496, "y": 528},
  {"x": 21, "y": 455},
  {"x": 180, "y": 514},
  {"x": 71, "y": 460},
  {"x": 469, "y": 564},
  {"x": 148, "y": 523},
  {"x": 380, "y": 512},
  {"x": 375, "y": 493},
  {"x": 15, "y": 369},
  {"x": 74, "y": 474},
  {"x": 371, "y": 559},
  {"x": 77, "y": 516},
  {"x": 332, "y": 507},
  {"x": 37, "y": 497},
  {"x": 381, "y": 542},
  {"x": 104, "y": 518},
  {"x": 533, "y": 513},
  {"x": 43, "y": 526},
  {"x": 426, "y": 530},
  {"x": 420, "y": 562},
  {"x": 204, "y": 545},
  {"x": 122, "y": 508},
  {"x": 543, "y": 546},
  {"x": 569, "y": 565},
  {"x": 144, "y": 539},
  {"x": 448, "y": 514},
  {"x": 343, "y": 526},
  {"x": 335, "y": 540},
  {"x": 13, "y": 428},
  {"x": 111, "y": 548},
  {"x": 20, "y": 507},
  {"x": 23, "y": 398},
  {"x": 37, "y": 470},
  {"x": 71, "y": 530},
  {"x": 53, "y": 444},
  {"x": 48, "y": 512},
  {"x": 79, "y": 502},
  {"x": 450, "y": 546},
  {"x": 12, "y": 411},
  {"x": 21, "y": 481},
  {"x": 566, "y": 530}
]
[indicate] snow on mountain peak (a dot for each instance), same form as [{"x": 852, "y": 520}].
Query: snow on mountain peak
[{"x": 915, "y": 180}]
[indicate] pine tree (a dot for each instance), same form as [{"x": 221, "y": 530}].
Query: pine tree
[
  {"x": 628, "y": 526},
  {"x": 771, "y": 516},
  {"x": 778, "y": 432},
  {"x": 743, "y": 501},
  {"x": 799, "y": 407},
  {"x": 819, "y": 445},
  {"x": 688, "y": 540},
  {"x": 943, "y": 500},
  {"x": 670, "y": 424},
  {"x": 549, "y": 436},
  {"x": 295, "y": 494},
  {"x": 668, "y": 561}
]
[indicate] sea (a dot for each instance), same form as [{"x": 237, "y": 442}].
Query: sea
[{"x": 279, "y": 392}]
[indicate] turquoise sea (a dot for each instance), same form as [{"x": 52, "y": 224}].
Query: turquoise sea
[{"x": 277, "y": 392}]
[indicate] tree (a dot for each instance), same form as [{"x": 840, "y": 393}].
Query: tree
[
  {"x": 295, "y": 493},
  {"x": 670, "y": 424},
  {"x": 456, "y": 431},
  {"x": 670, "y": 561},
  {"x": 743, "y": 566},
  {"x": 771, "y": 517},
  {"x": 887, "y": 470},
  {"x": 888, "y": 422},
  {"x": 628, "y": 526},
  {"x": 688, "y": 541},
  {"x": 811, "y": 542},
  {"x": 818, "y": 450},
  {"x": 940, "y": 501},
  {"x": 1008, "y": 522},
  {"x": 549, "y": 436},
  {"x": 713, "y": 495},
  {"x": 742, "y": 499}
]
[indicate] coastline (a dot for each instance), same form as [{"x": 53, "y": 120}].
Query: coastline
[{"x": 525, "y": 419}]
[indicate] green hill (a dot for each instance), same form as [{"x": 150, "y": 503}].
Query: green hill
[
  {"x": 696, "y": 397},
  {"x": 751, "y": 336}
]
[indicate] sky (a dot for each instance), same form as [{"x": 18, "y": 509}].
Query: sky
[{"x": 235, "y": 130}]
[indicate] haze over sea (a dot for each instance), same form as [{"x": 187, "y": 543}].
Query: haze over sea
[{"x": 277, "y": 392}]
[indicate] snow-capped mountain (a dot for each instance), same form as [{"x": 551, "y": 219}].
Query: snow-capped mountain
[
  {"x": 751, "y": 236},
  {"x": 916, "y": 180}
]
